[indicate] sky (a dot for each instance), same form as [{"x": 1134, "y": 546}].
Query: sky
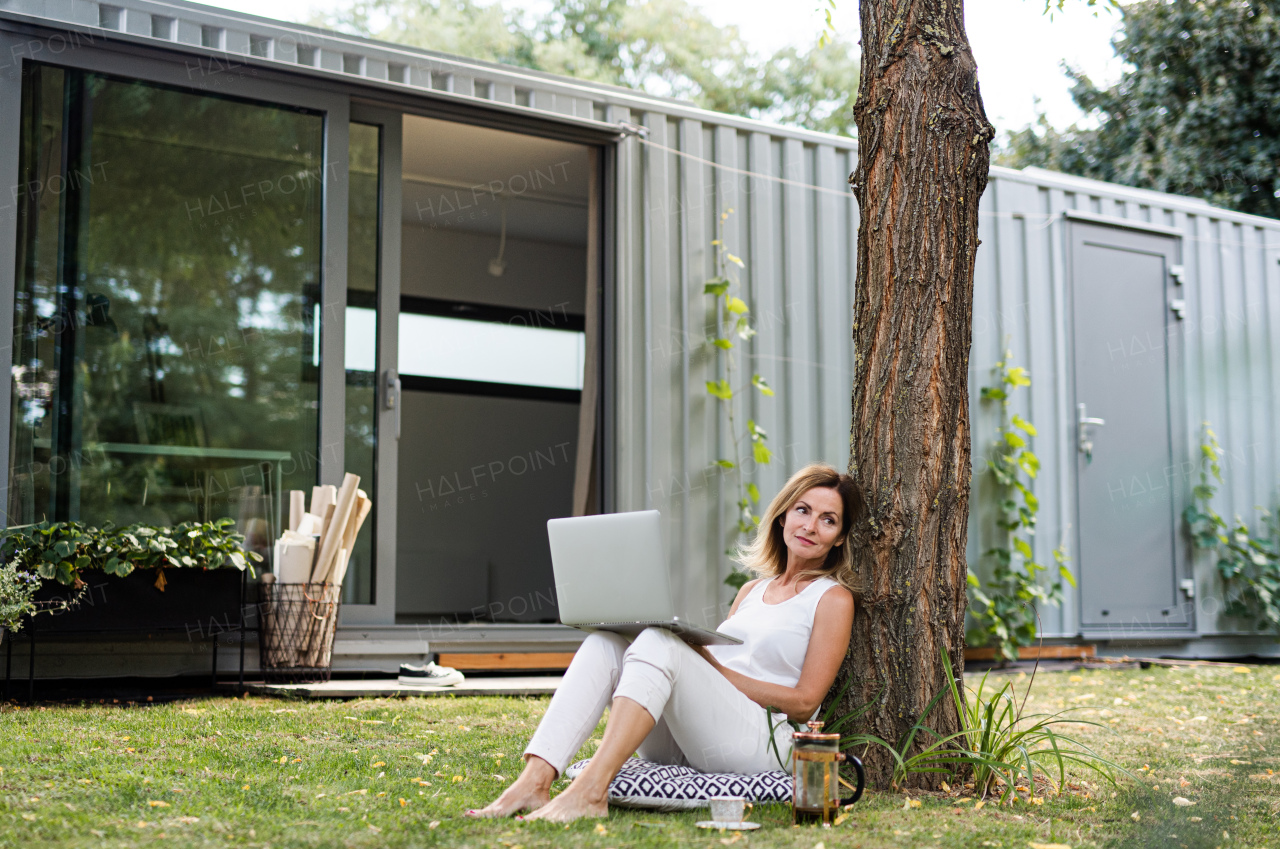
[{"x": 1019, "y": 49}]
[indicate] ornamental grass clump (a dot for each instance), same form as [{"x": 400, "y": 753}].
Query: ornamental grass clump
[{"x": 999, "y": 748}]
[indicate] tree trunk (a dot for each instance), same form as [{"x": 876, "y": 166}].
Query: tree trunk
[{"x": 922, "y": 166}]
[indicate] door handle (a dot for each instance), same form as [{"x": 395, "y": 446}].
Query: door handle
[
  {"x": 1084, "y": 422},
  {"x": 391, "y": 397}
]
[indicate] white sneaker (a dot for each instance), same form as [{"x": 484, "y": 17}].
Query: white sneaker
[{"x": 429, "y": 675}]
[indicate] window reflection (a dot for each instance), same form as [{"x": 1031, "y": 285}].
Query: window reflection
[
  {"x": 169, "y": 261},
  {"x": 362, "y": 345}
]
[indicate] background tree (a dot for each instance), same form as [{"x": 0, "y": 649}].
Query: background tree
[
  {"x": 923, "y": 160},
  {"x": 1196, "y": 114},
  {"x": 662, "y": 47}
]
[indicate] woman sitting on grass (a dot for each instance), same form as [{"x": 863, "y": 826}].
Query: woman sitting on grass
[{"x": 673, "y": 703}]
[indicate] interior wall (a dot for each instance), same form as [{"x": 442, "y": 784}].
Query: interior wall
[
  {"x": 453, "y": 264},
  {"x": 479, "y": 478}
]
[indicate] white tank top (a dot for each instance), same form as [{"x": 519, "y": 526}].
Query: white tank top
[{"x": 775, "y": 637}]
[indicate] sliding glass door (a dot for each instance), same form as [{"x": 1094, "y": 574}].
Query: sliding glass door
[
  {"x": 372, "y": 387},
  {"x": 166, "y": 348}
]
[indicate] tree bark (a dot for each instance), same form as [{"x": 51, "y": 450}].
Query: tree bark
[{"x": 922, "y": 166}]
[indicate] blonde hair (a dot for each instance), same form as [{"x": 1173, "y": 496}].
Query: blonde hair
[{"x": 766, "y": 554}]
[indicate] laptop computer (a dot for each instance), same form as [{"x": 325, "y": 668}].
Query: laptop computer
[{"x": 611, "y": 575}]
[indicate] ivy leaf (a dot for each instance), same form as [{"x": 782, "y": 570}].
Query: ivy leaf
[
  {"x": 719, "y": 389},
  {"x": 743, "y": 328},
  {"x": 760, "y": 383},
  {"x": 761, "y": 453},
  {"x": 736, "y": 305},
  {"x": 753, "y": 492},
  {"x": 1029, "y": 463},
  {"x": 722, "y": 344},
  {"x": 717, "y": 287},
  {"x": 1017, "y": 376},
  {"x": 1066, "y": 575},
  {"x": 1023, "y": 548},
  {"x": 992, "y": 393},
  {"x": 1022, "y": 424},
  {"x": 735, "y": 260},
  {"x": 1014, "y": 440},
  {"x": 725, "y": 464}
]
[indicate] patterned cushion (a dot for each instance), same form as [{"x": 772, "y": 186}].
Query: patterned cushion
[{"x": 662, "y": 787}]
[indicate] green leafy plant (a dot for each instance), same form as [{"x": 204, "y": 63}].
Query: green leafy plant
[
  {"x": 1248, "y": 561},
  {"x": 998, "y": 747},
  {"x": 62, "y": 551},
  {"x": 1004, "y": 607},
  {"x": 18, "y": 587},
  {"x": 733, "y": 327}
]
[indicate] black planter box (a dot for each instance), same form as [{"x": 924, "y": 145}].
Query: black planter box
[{"x": 196, "y": 602}]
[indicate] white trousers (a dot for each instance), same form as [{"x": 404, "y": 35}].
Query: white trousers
[{"x": 702, "y": 720}]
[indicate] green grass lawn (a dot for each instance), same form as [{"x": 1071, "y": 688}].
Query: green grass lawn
[{"x": 259, "y": 772}]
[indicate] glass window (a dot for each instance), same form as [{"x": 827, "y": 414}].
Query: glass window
[
  {"x": 491, "y": 352},
  {"x": 169, "y": 258},
  {"x": 362, "y": 345}
]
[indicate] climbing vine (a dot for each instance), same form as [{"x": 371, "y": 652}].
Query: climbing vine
[
  {"x": 1248, "y": 562},
  {"x": 733, "y": 322},
  {"x": 1004, "y": 608}
]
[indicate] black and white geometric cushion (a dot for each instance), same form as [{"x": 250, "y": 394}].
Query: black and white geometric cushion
[{"x": 662, "y": 787}]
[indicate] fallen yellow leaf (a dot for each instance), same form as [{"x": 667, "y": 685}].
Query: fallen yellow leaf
[
  {"x": 839, "y": 819},
  {"x": 946, "y": 788},
  {"x": 1135, "y": 816},
  {"x": 977, "y": 806},
  {"x": 1242, "y": 670},
  {"x": 1048, "y": 846},
  {"x": 433, "y": 823},
  {"x": 403, "y": 802},
  {"x": 600, "y": 829},
  {"x": 156, "y": 803},
  {"x": 380, "y": 763}
]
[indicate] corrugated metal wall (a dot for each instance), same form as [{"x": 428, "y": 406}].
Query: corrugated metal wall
[
  {"x": 1230, "y": 334},
  {"x": 793, "y": 224}
]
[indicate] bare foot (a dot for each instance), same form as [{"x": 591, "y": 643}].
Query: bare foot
[
  {"x": 571, "y": 805},
  {"x": 529, "y": 792}
]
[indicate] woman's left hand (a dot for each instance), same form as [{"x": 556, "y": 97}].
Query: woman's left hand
[{"x": 707, "y": 656}]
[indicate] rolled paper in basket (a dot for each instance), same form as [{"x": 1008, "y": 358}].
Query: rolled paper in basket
[
  {"x": 294, "y": 553},
  {"x": 344, "y": 556},
  {"x": 334, "y": 530},
  {"x": 310, "y": 525},
  {"x": 321, "y": 498},
  {"x": 297, "y": 508}
]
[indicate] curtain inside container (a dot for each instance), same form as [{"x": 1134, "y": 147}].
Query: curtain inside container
[{"x": 585, "y": 478}]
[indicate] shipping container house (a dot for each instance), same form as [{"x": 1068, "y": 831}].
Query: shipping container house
[{"x": 244, "y": 256}]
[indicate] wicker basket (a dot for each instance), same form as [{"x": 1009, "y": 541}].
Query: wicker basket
[{"x": 296, "y": 627}]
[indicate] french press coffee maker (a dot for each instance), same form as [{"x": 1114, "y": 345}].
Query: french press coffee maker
[{"x": 815, "y": 760}]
